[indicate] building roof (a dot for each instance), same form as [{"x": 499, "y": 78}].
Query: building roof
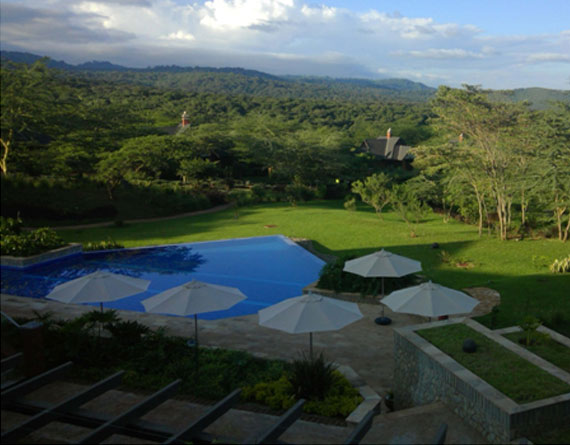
[{"x": 388, "y": 148}]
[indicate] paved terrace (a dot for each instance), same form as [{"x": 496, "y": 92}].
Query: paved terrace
[{"x": 364, "y": 346}]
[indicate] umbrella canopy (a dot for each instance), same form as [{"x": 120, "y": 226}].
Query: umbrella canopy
[
  {"x": 382, "y": 264},
  {"x": 430, "y": 300},
  {"x": 193, "y": 297},
  {"x": 309, "y": 313},
  {"x": 98, "y": 287}
]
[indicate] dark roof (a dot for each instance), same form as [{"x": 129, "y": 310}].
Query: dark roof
[{"x": 392, "y": 148}]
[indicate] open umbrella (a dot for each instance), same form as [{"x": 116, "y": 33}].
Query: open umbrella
[
  {"x": 430, "y": 300},
  {"x": 309, "y": 313},
  {"x": 382, "y": 264},
  {"x": 193, "y": 298},
  {"x": 98, "y": 287}
]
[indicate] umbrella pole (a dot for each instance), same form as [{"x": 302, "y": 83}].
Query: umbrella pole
[
  {"x": 196, "y": 346},
  {"x": 382, "y": 296},
  {"x": 311, "y": 345},
  {"x": 196, "y": 329}
]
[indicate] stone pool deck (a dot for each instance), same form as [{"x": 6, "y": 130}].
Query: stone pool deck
[{"x": 364, "y": 346}]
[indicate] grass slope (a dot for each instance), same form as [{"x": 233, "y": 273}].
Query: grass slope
[{"x": 505, "y": 266}]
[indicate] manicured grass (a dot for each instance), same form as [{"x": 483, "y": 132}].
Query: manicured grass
[
  {"x": 509, "y": 373},
  {"x": 506, "y": 266},
  {"x": 547, "y": 348}
]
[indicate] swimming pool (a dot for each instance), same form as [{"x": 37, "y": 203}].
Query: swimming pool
[{"x": 267, "y": 269}]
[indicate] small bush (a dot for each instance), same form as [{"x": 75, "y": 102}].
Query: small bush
[
  {"x": 561, "y": 265},
  {"x": 350, "y": 204},
  {"x": 340, "y": 400},
  {"x": 311, "y": 378},
  {"x": 10, "y": 226},
  {"x": 102, "y": 245},
  {"x": 30, "y": 243}
]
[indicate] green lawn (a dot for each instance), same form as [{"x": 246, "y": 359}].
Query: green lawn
[
  {"x": 525, "y": 288},
  {"x": 547, "y": 348},
  {"x": 506, "y": 371}
]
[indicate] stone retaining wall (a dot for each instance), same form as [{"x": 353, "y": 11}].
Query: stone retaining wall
[
  {"x": 55, "y": 254},
  {"x": 424, "y": 374}
]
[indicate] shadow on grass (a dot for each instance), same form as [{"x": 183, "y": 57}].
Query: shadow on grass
[{"x": 544, "y": 296}]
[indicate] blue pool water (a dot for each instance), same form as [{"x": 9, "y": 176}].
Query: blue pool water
[{"x": 266, "y": 269}]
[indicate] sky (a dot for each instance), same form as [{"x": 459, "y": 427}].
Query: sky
[{"x": 500, "y": 44}]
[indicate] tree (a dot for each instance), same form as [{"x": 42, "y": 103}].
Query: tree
[
  {"x": 27, "y": 98},
  {"x": 374, "y": 191},
  {"x": 407, "y": 204},
  {"x": 488, "y": 131}
]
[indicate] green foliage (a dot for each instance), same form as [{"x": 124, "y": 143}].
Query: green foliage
[
  {"x": 277, "y": 394},
  {"x": 334, "y": 278},
  {"x": 339, "y": 401},
  {"x": 311, "y": 377},
  {"x": 28, "y": 243},
  {"x": 561, "y": 265},
  {"x": 102, "y": 245},
  {"x": 529, "y": 325},
  {"x": 374, "y": 191},
  {"x": 10, "y": 226},
  {"x": 350, "y": 204},
  {"x": 152, "y": 359}
]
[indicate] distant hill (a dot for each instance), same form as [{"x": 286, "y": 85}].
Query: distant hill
[
  {"x": 539, "y": 98},
  {"x": 242, "y": 81},
  {"x": 231, "y": 80}
]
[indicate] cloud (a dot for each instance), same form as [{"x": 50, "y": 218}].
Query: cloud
[
  {"x": 283, "y": 37},
  {"x": 21, "y": 24},
  {"x": 232, "y": 14},
  {"x": 414, "y": 28},
  {"x": 548, "y": 57},
  {"x": 180, "y": 35},
  {"x": 433, "y": 53}
]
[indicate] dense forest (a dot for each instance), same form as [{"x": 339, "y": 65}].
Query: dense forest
[{"x": 88, "y": 145}]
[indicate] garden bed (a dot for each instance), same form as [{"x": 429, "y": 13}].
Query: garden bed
[
  {"x": 504, "y": 370},
  {"x": 544, "y": 346},
  {"x": 99, "y": 343},
  {"x": 424, "y": 373}
]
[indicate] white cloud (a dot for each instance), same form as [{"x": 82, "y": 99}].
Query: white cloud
[
  {"x": 283, "y": 37},
  {"x": 180, "y": 35},
  {"x": 233, "y": 14},
  {"x": 435, "y": 53},
  {"x": 548, "y": 57}
]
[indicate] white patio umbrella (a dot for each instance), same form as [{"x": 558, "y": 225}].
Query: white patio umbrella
[
  {"x": 309, "y": 313},
  {"x": 430, "y": 300},
  {"x": 382, "y": 264},
  {"x": 98, "y": 287},
  {"x": 193, "y": 298}
]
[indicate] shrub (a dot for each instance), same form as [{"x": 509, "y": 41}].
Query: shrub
[
  {"x": 340, "y": 400},
  {"x": 30, "y": 243},
  {"x": 350, "y": 204},
  {"x": 300, "y": 192},
  {"x": 10, "y": 226},
  {"x": 561, "y": 265},
  {"x": 102, "y": 245},
  {"x": 311, "y": 378}
]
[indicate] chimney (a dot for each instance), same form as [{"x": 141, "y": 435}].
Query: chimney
[
  {"x": 461, "y": 137},
  {"x": 389, "y": 133},
  {"x": 185, "y": 120}
]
